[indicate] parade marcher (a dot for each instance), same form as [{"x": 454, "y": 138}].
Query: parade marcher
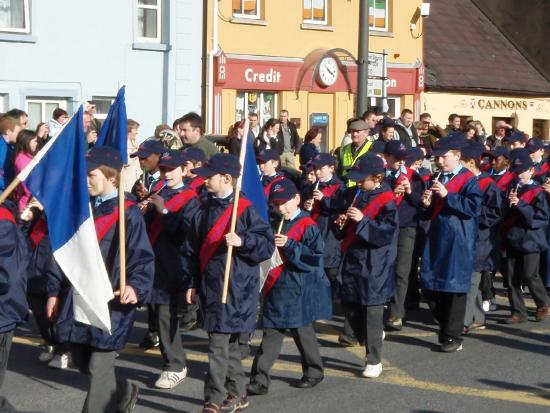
[
  {"x": 490, "y": 217},
  {"x": 168, "y": 223},
  {"x": 350, "y": 153},
  {"x": 94, "y": 350},
  {"x": 524, "y": 230},
  {"x": 369, "y": 248},
  {"x": 453, "y": 203},
  {"x": 407, "y": 188},
  {"x": 195, "y": 159},
  {"x": 268, "y": 161},
  {"x": 535, "y": 146},
  {"x": 208, "y": 240},
  {"x": 515, "y": 140},
  {"x": 14, "y": 259},
  {"x": 500, "y": 162},
  {"x": 296, "y": 293}
]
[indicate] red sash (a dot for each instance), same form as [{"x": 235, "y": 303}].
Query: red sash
[
  {"x": 542, "y": 170},
  {"x": 453, "y": 186},
  {"x": 484, "y": 183},
  {"x": 157, "y": 186},
  {"x": 174, "y": 204},
  {"x": 327, "y": 191},
  {"x": 296, "y": 232},
  {"x": 39, "y": 231},
  {"x": 104, "y": 223},
  {"x": 196, "y": 183},
  {"x": 409, "y": 174},
  {"x": 372, "y": 209},
  {"x": 511, "y": 219},
  {"x": 219, "y": 229},
  {"x": 5, "y": 214},
  {"x": 267, "y": 188},
  {"x": 505, "y": 180},
  {"x": 425, "y": 178}
]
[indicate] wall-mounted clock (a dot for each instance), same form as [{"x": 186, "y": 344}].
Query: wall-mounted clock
[{"x": 327, "y": 72}]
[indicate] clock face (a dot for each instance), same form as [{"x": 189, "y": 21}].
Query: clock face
[{"x": 328, "y": 71}]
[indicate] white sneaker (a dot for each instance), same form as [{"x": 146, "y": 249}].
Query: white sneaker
[
  {"x": 60, "y": 361},
  {"x": 47, "y": 354},
  {"x": 170, "y": 379},
  {"x": 383, "y": 335},
  {"x": 486, "y": 305},
  {"x": 372, "y": 371}
]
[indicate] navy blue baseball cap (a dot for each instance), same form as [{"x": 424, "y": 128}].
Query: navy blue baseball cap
[
  {"x": 368, "y": 164},
  {"x": 535, "y": 144},
  {"x": 220, "y": 163},
  {"x": 474, "y": 150},
  {"x": 173, "y": 158},
  {"x": 499, "y": 151},
  {"x": 378, "y": 146},
  {"x": 322, "y": 159},
  {"x": 148, "y": 148},
  {"x": 282, "y": 191},
  {"x": 452, "y": 142},
  {"x": 103, "y": 155},
  {"x": 521, "y": 160},
  {"x": 396, "y": 148},
  {"x": 516, "y": 136},
  {"x": 413, "y": 155},
  {"x": 268, "y": 155},
  {"x": 195, "y": 154}
]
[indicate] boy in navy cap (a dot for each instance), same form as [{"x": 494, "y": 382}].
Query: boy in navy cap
[
  {"x": 268, "y": 160},
  {"x": 168, "y": 221},
  {"x": 195, "y": 159},
  {"x": 453, "y": 204},
  {"x": 94, "y": 350},
  {"x": 515, "y": 140},
  {"x": 208, "y": 240},
  {"x": 407, "y": 188},
  {"x": 369, "y": 248},
  {"x": 524, "y": 231},
  {"x": 535, "y": 146},
  {"x": 500, "y": 162},
  {"x": 149, "y": 155},
  {"x": 489, "y": 218},
  {"x": 13, "y": 285},
  {"x": 296, "y": 293}
]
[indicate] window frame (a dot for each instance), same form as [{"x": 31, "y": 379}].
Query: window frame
[
  {"x": 256, "y": 16},
  {"x": 158, "y": 8},
  {"x": 102, "y": 116},
  {"x": 386, "y": 27},
  {"x": 318, "y": 22},
  {"x": 260, "y": 93},
  {"x": 27, "y": 28}
]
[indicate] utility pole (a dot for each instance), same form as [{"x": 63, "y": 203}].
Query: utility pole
[{"x": 363, "y": 60}]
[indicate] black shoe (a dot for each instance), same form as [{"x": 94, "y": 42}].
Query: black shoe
[
  {"x": 347, "y": 340},
  {"x": 190, "y": 325},
  {"x": 308, "y": 382},
  {"x": 394, "y": 323},
  {"x": 256, "y": 389},
  {"x": 451, "y": 346},
  {"x": 128, "y": 404},
  {"x": 151, "y": 340}
]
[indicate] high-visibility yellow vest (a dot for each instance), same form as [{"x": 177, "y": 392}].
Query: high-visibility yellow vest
[{"x": 347, "y": 158}]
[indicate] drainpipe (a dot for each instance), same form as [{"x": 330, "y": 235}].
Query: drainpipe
[{"x": 211, "y": 53}]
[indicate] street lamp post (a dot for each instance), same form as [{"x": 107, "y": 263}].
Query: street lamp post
[{"x": 363, "y": 60}]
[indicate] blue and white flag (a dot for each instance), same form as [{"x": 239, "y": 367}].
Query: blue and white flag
[
  {"x": 56, "y": 177},
  {"x": 114, "y": 131}
]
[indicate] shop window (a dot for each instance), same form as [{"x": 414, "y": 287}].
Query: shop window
[
  {"x": 494, "y": 120},
  {"x": 264, "y": 104},
  {"x": 41, "y": 109},
  {"x": 14, "y": 16},
  {"x": 378, "y": 15},
  {"x": 149, "y": 21},
  {"x": 540, "y": 129},
  {"x": 315, "y": 11},
  {"x": 248, "y": 9},
  {"x": 102, "y": 106},
  {"x": 394, "y": 106}
]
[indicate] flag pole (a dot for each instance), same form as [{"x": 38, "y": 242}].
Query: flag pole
[
  {"x": 238, "y": 186},
  {"x": 122, "y": 221}
]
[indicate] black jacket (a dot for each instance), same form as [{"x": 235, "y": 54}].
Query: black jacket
[
  {"x": 295, "y": 141},
  {"x": 404, "y": 135}
]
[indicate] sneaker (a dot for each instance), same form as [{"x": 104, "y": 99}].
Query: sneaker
[
  {"x": 151, "y": 340},
  {"x": 347, "y": 341},
  {"x": 170, "y": 379},
  {"x": 211, "y": 408},
  {"x": 130, "y": 398},
  {"x": 394, "y": 323},
  {"x": 486, "y": 305},
  {"x": 372, "y": 371},
  {"x": 47, "y": 354},
  {"x": 234, "y": 403},
  {"x": 515, "y": 319},
  {"x": 542, "y": 313},
  {"x": 60, "y": 361},
  {"x": 383, "y": 335},
  {"x": 451, "y": 346},
  {"x": 256, "y": 389}
]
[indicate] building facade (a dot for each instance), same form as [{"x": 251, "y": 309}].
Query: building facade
[
  {"x": 300, "y": 56},
  {"x": 60, "y": 53}
]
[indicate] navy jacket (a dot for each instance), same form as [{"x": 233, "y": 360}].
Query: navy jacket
[
  {"x": 239, "y": 314},
  {"x": 302, "y": 292},
  {"x": 449, "y": 251},
  {"x": 308, "y": 152},
  {"x": 410, "y": 205},
  {"x": 170, "y": 283},
  {"x": 528, "y": 232},
  {"x": 14, "y": 258},
  {"x": 367, "y": 266},
  {"x": 139, "y": 273}
]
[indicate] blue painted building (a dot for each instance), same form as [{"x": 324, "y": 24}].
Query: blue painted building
[{"x": 60, "y": 53}]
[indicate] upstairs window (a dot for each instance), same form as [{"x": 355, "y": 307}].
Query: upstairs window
[
  {"x": 315, "y": 11},
  {"x": 14, "y": 16},
  {"x": 248, "y": 9},
  {"x": 378, "y": 15},
  {"x": 149, "y": 20}
]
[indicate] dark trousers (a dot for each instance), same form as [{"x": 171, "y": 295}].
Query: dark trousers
[
  {"x": 171, "y": 346},
  {"x": 152, "y": 319},
  {"x": 272, "y": 342},
  {"x": 37, "y": 304},
  {"x": 403, "y": 265},
  {"x": 5, "y": 346},
  {"x": 367, "y": 322},
  {"x": 486, "y": 285},
  {"x": 189, "y": 313},
  {"x": 523, "y": 269},
  {"x": 448, "y": 309},
  {"x": 412, "y": 298},
  {"x": 474, "y": 313},
  {"x": 104, "y": 393},
  {"x": 224, "y": 368}
]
